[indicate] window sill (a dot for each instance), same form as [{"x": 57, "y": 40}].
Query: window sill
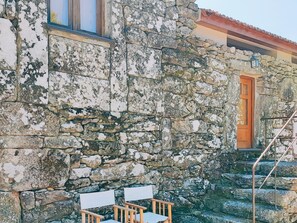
[{"x": 79, "y": 35}]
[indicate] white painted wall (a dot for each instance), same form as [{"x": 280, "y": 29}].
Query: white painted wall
[
  {"x": 206, "y": 33},
  {"x": 284, "y": 56}
]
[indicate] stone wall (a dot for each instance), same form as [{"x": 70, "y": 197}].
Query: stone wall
[{"x": 156, "y": 106}]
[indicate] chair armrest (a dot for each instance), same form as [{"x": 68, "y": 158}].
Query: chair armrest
[
  {"x": 123, "y": 208},
  {"x": 87, "y": 215},
  {"x": 135, "y": 206},
  {"x": 163, "y": 202},
  {"x": 91, "y": 213},
  {"x": 124, "y": 214}
]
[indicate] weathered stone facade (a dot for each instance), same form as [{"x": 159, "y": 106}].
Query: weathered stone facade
[{"x": 156, "y": 106}]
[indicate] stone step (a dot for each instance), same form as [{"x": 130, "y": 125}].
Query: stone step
[
  {"x": 243, "y": 209},
  {"x": 212, "y": 217},
  {"x": 245, "y": 181},
  {"x": 283, "y": 198},
  {"x": 187, "y": 218},
  {"x": 264, "y": 213},
  {"x": 285, "y": 169}
]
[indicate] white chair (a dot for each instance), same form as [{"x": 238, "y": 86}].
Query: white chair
[
  {"x": 162, "y": 210},
  {"x": 102, "y": 199}
]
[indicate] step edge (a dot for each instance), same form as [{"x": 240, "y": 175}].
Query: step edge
[{"x": 218, "y": 215}]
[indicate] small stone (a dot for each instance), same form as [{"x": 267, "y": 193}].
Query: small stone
[
  {"x": 169, "y": 3},
  {"x": 172, "y": 13},
  {"x": 48, "y": 197},
  {"x": 186, "y": 126},
  {"x": 62, "y": 142},
  {"x": 136, "y": 137},
  {"x": 183, "y": 3},
  {"x": 189, "y": 13},
  {"x": 71, "y": 127},
  {"x": 80, "y": 173},
  {"x": 138, "y": 170},
  {"x": 75, "y": 161},
  {"x": 203, "y": 88},
  {"x": 80, "y": 183},
  {"x": 92, "y": 161},
  {"x": 10, "y": 9},
  {"x": 27, "y": 200},
  {"x": 146, "y": 126},
  {"x": 193, "y": 6}
]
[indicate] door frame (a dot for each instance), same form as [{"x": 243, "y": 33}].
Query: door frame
[{"x": 253, "y": 81}]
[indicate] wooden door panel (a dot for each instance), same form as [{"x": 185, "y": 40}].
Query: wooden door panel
[{"x": 245, "y": 117}]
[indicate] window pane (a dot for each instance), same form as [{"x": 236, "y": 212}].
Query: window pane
[
  {"x": 243, "y": 112},
  {"x": 244, "y": 90},
  {"x": 88, "y": 15},
  {"x": 59, "y": 12}
]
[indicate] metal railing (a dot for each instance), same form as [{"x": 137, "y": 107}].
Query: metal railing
[
  {"x": 275, "y": 165},
  {"x": 266, "y": 119}
]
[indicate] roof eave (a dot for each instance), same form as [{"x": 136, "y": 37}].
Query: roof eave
[{"x": 233, "y": 27}]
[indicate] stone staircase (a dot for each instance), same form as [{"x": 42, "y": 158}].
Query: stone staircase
[{"x": 231, "y": 201}]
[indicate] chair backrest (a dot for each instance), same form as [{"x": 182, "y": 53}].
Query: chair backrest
[
  {"x": 97, "y": 199},
  {"x": 138, "y": 193}
]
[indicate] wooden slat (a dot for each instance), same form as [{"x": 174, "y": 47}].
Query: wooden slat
[
  {"x": 132, "y": 217},
  {"x": 100, "y": 17},
  {"x": 170, "y": 213},
  {"x": 122, "y": 215},
  {"x": 116, "y": 213},
  {"x": 141, "y": 215},
  {"x": 84, "y": 212},
  {"x": 76, "y": 15},
  {"x": 126, "y": 216},
  {"x": 48, "y": 11},
  {"x": 159, "y": 208},
  {"x": 154, "y": 206},
  {"x": 83, "y": 217},
  {"x": 135, "y": 206},
  {"x": 70, "y": 14},
  {"x": 161, "y": 201}
]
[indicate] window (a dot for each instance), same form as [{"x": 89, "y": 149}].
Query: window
[{"x": 79, "y": 15}]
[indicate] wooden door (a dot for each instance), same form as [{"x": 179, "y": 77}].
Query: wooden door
[{"x": 245, "y": 118}]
